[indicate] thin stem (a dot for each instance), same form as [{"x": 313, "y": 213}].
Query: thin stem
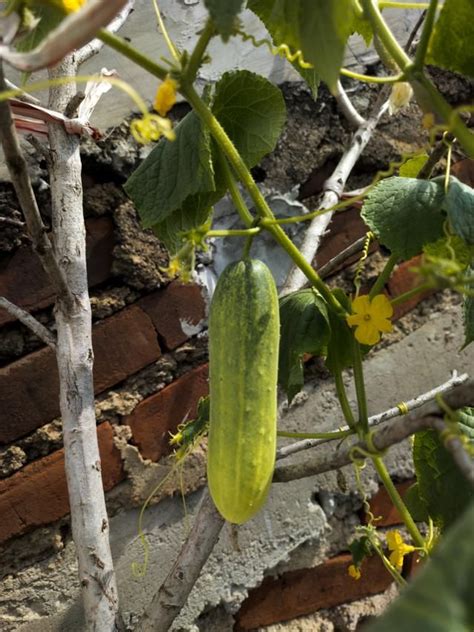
[
  {"x": 398, "y": 502},
  {"x": 244, "y": 232},
  {"x": 385, "y": 4},
  {"x": 370, "y": 78},
  {"x": 198, "y": 53},
  {"x": 425, "y": 34},
  {"x": 363, "y": 423},
  {"x": 262, "y": 207},
  {"x": 386, "y": 36},
  {"x": 124, "y": 48},
  {"x": 331, "y": 436},
  {"x": 235, "y": 194},
  {"x": 169, "y": 42},
  {"x": 344, "y": 402},
  {"x": 406, "y": 296},
  {"x": 384, "y": 276}
]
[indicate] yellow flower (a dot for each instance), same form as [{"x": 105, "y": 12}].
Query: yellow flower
[
  {"x": 70, "y": 6},
  {"x": 354, "y": 571},
  {"x": 151, "y": 127},
  {"x": 370, "y": 318},
  {"x": 165, "y": 96},
  {"x": 398, "y": 547},
  {"x": 399, "y": 97}
]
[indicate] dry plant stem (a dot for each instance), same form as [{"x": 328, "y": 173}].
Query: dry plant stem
[
  {"x": 333, "y": 190},
  {"x": 390, "y": 434},
  {"x": 92, "y": 48},
  {"x": 437, "y": 153},
  {"x": 29, "y": 321},
  {"x": 332, "y": 265},
  {"x": 18, "y": 170},
  {"x": 375, "y": 420},
  {"x": 90, "y": 525},
  {"x": 173, "y": 593}
]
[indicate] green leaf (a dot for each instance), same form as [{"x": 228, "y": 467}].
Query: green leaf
[
  {"x": 412, "y": 167},
  {"x": 360, "y": 549},
  {"x": 459, "y": 204},
  {"x": 172, "y": 172},
  {"x": 223, "y": 15},
  {"x": 440, "y": 597},
  {"x": 252, "y": 112},
  {"x": 49, "y": 18},
  {"x": 341, "y": 343},
  {"x": 415, "y": 504},
  {"x": 451, "y": 42},
  {"x": 319, "y": 29},
  {"x": 468, "y": 320},
  {"x": 304, "y": 329},
  {"x": 363, "y": 27},
  {"x": 442, "y": 487},
  {"x": 405, "y": 214}
]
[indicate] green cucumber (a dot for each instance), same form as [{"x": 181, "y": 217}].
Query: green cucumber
[{"x": 244, "y": 331}]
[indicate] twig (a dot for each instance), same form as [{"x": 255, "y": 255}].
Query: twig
[
  {"x": 13, "y": 222},
  {"x": 18, "y": 170},
  {"x": 173, "y": 593},
  {"x": 438, "y": 152},
  {"x": 346, "y": 107},
  {"x": 375, "y": 420},
  {"x": 92, "y": 48},
  {"x": 332, "y": 265},
  {"x": 29, "y": 321}
]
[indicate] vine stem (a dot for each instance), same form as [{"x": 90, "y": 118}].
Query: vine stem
[
  {"x": 331, "y": 436},
  {"x": 124, "y": 48},
  {"x": 425, "y": 34},
  {"x": 410, "y": 294},
  {"x": 235, "y": 194},
  {"x": 363, "y": 424},
  {"x": 245, "y": 232},
  {"x": 198, "y": 53},
  {"x": 398, "y": 502},
  {"x": 370, "y": 78},
  {"x": 344, "y": 402},
  {"x": 384, "y": 276}
]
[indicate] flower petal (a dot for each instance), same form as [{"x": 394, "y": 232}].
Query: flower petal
[
  {"x": 394, "y": 539},
  {"x": 355, "y": 319},
  {"x": 382, "y": 324},
  {"x": 361, "y": 305},
  {"x": 367, "y": 333},
  {"x": 381, "y": 306}
]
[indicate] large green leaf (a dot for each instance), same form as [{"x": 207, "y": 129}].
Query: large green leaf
[
  {"x": 341, "y": 344},
  {"x": 459, "y": 203},
  {"x": 451, "y": 43},
  {"x": 318, "y": 28},
  {"x": 405, "y": 214},
  {"x": 223, "y": 14},
  {"x": 304, "y": 329},
  {"x": 442, "y": 487},
  {"x": 252, "y": 112},
  {"x": 172, "y": 172},
  {"x": 440, "y": 597}
]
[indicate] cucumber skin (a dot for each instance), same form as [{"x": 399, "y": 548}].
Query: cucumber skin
[{"x": 244, "y": 332}]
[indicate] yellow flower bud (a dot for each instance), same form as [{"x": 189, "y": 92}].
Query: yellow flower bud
[{"x": 165, "y": 96}]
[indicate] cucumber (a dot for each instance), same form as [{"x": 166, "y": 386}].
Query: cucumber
[{"x": 244, "y": 332}]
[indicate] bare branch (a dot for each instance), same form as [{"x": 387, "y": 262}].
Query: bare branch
[
  {"x": 29, "y": 321},
  {"x": 346, "y": 107},
  {"x": 17, "y": 168},
  {"x": 455, "y": 381},
  {"x": 92, "y": 48},
  {"x": 335, "y": 262},
  {"x": 173, "y": 593},
  {"x": 76, "y": 30}
]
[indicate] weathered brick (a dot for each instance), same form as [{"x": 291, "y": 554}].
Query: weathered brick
[
  {"x": 23, "y": 281},
  {"x": 174, "y": 311},
  {"x": 403, "y": 280},
  {"x": 382, "y": 508},
  {"x": 29, "y": 387},
  {"x": 154, "y": 418},
  {"x": 305, "y": 591},
  {"x": 464, "y": 171},
  {"x": 37, "y": 494}
]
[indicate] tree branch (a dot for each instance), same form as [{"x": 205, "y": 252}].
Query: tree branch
[
  {"x": 29, "y": 321},
  {"x": 18, "y": 170},
  {"x": 92, "y": 48}
]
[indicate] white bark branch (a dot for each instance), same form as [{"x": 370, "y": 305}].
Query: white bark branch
[
  {"x": 333, "y": 188},
  {"x": 90, "y": 525},
  {"x": 346, "y": 107},
  {"x": 29, "y": 321},
  {"x": 173, "y": 593},
  {"x": 92, "y": 48}
]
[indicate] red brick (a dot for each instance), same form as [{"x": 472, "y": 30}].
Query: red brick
[
  {"x": 29, "y": 388},
  {"x": 23, "y": 281},
  {"x": 37, "y": 494},
  {"x": 464, "y": 171},
  {"x": 381, "y": 505},
  {"x": 305, "y": 591},
  {"x": 154, "y": 418},
  {"x": 403, "y": 280},
  {"x": 345, "y": 228},
  {"x": 168, "y": 308}
]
